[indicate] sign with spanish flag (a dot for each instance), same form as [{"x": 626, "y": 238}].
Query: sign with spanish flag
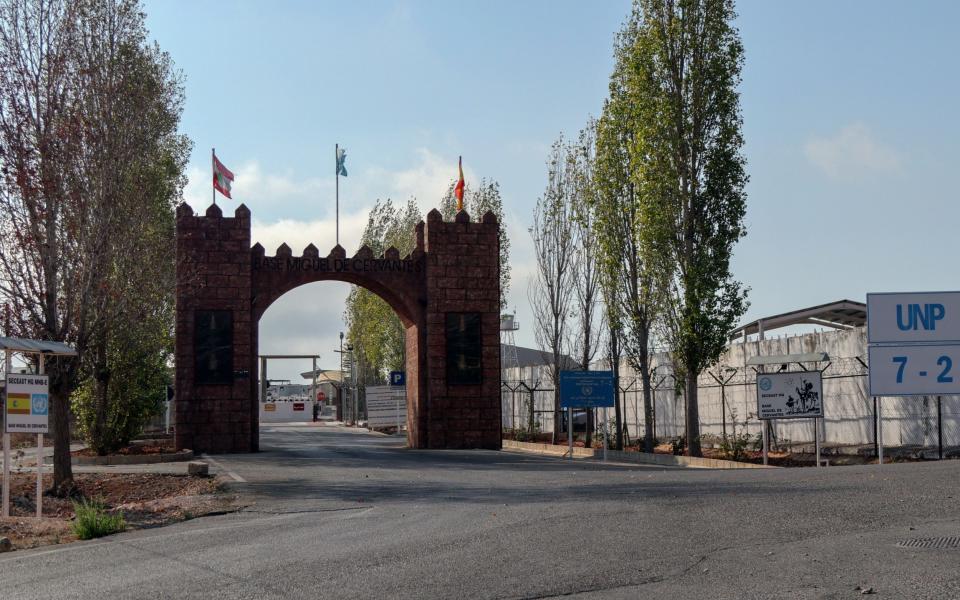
[{"x": 27, "y": 403}]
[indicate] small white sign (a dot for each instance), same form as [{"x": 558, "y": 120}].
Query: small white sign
[
  {"x": 795, "y": 395},
  {"x": 27, "y": 403},
  {"x": 914, "y": 370},
  {"x": 914, "y": 317},
  {"x": 386, "y": 406}
]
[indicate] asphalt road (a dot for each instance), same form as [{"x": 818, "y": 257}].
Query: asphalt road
[{"x": 337, "y": 514}]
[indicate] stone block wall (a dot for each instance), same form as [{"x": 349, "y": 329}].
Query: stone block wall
[
  {"x": 463, "y": 275},
  {"x": 213, "y": 273},
  {"x": 454, "y": 269}
]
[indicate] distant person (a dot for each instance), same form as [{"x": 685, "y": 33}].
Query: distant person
[{"x": 316, "y": 412}]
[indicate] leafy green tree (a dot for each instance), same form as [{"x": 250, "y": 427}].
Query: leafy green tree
[
  {"x": 374, "y": 329},
  {"x": 138, "y": 355},
  {"x": 628, "y": 280},
  {"x": 91, "y": 165},
  {"x": 682, "y": 61},
  {"x": 133, "y": 160}
]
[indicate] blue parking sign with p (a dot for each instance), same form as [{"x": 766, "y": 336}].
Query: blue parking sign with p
[{"x": 398, "y": 378}]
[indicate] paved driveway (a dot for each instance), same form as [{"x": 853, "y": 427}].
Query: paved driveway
[{"x": 340, "y": 514}]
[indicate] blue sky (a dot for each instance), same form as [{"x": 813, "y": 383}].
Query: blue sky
[{"x": 849, "y": 117}]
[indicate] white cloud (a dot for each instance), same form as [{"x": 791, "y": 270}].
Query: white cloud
[
  {"x": 321, "y": 233},
  {"x": 851, "y": 153},
  {"x": 299, "y": 210}
]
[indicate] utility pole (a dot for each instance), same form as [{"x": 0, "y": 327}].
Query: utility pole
[
  {"x": 341, "y": 389},
  {"x": 343, "y": 386}
]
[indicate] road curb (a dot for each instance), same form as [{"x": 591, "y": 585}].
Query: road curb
[
  {"x": 133, "y": 459},
  {"x": 666, "y": 460}
]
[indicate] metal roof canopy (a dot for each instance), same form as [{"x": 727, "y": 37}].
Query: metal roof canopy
[
  {"x": 783, "y": 359},
  {"x": 324, "y": 375},
  {"x": 842, "y": 314},
  {"x": 36, "y": 346}
]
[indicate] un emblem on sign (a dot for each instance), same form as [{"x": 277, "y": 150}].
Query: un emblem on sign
[
  {"x": 39, "y": 404},
  {"x": 587, "y": 390},
  {"x": 766, "y": 384}
]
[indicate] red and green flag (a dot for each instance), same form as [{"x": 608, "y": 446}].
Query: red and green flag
[{"x": 222, "y": 177}]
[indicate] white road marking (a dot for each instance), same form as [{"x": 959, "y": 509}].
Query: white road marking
[{"x": 230, "y": 473}]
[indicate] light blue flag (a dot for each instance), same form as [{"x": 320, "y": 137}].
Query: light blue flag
[{"x": 341, "y": 159}]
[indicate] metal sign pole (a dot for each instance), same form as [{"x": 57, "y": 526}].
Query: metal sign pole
[
  {"x": 816, "y": 437},
  {"x": 6, "y": 439},
  {"x": 939, "y": 429},
  {"x": 570, "y": 430},
  {"x": 313, "y": 387},
  {"x": 879, "y": 432},
  {"x": 605, "y": 433},
  {"x": 40, "y": 457},
  {"x": 764, "y": 428}
]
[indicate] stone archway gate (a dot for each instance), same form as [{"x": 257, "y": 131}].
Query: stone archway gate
[{"x": 446, "y": 293}]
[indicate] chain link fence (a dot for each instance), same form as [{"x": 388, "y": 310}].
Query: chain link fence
[{"x": 727, "y": 400}]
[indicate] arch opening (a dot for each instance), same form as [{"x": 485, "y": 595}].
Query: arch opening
[{"x": 307, "y": 319}]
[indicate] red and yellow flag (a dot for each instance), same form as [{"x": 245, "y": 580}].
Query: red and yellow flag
[
  {"x": 18, "y": 404},
  {"x": 458, "y": 191}
]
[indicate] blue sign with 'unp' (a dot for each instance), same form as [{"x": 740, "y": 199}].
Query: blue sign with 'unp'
[{"x": 586, "y": 389}]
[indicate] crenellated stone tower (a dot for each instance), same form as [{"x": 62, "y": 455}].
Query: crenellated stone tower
[{"x": 446, "y": 293}]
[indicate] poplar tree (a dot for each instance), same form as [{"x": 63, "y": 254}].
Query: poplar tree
[
  {"x": 552, "y": 293},
  {"x": 683, "y": 60},
  {"x": 629, "y": 282}
]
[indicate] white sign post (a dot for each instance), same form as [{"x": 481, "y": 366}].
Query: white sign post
[
  {"x": 27, "y": 403},
  {"x": 914, "y": 343},
  {"x": 40, "y": 444},
  {"x": 5, "y": 502},
  {"x": 792, "y": 395},
  {"x": 27, "y": 406}
]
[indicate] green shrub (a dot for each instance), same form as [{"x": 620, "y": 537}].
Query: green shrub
[
  {"x": 734, "y": 447},
  {"x": 92, "y": 520}
]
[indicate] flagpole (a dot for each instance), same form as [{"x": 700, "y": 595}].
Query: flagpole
[
  {"x": 336, "y": 175},
  {"x": 213, "y": 167}
]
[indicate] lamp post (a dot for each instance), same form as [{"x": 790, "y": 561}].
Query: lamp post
[{"x": 343, "y": 399}]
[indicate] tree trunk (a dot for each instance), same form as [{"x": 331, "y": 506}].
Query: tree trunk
[
  {"x": 647, "y": 403},
  {"x": 101, "y": 377},
  {"x": 693, "y": 416},
  {"x": 531, "y": 416},
  {"x": 617, "y": 414},
  {"x": 60, "y": 425}
]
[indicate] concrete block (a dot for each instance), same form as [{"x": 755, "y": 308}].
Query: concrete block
[{"x": 199, "y": 468}]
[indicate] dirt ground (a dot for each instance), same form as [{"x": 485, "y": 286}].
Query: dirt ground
[
  {"x": 132, "y": 449},
  {"x": 146, "y": 500}
]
